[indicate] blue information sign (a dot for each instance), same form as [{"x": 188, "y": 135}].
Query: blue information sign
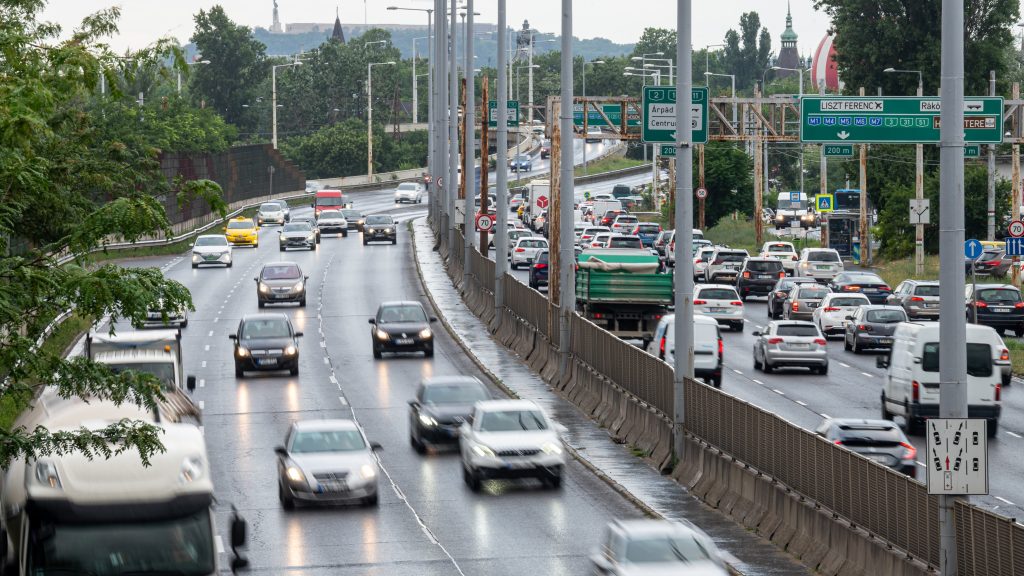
[
  {"x": 1014, "y": 246},
  {"x": 973, "y": 248},
  {"x": 794, "y": 197}
]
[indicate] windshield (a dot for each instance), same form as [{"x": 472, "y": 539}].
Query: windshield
[
  {"x": 281, "y": 272},
  {"x": 648, "y": 228},
  {"x": 270, "y": 207},
  {"x": 863, "y": 279},
  {"x": 329, "y": 201},
  {"x": 999, "y": 295},
  {"x": 353, "y": 214},
  {"x": 780, "y": 248},
  {"x": 454, "y": 394},
  {"x": 512, "y": 421},
  {"x": 627, "y": 220},
  {"x": 328, "y": 214},
  {"x": 886, "y": 316},
  {"x": 379, "y": 220},
  {"x": 796, "y": 330},
  {"x": 979, "y": 359},
  {"x": 268, "y": 328},
  {"x": 717, "y": 294},
  {"x": 662, "y": 549},
  {"x": 181, "y": 546},
  {"x": 532, "y": 243},
  {"x": 164, "y": 371},
  {"x": 730, "y": 257},
  {"x": 407, "y": 186},
  {"x": 848, "y": 301},
  {"x": 522, "y": 158},
  {"x": 764, "y": 265},
  {"x": 211, "y": 241},
  {"x": 812, "y": 292},
  {"x": 625, "y": 242},
  {"x": 407, "y": 313},
  {"x": 298, "y": 227},
  {"x": 927, "y": 290},
  {"x": 311, "y": 441},
  {"x": 822, "y": 256},
  {"x": 240, "y": 225}
]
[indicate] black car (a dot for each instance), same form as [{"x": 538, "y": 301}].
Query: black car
[
  {"x": 992, "y": 262},
  {"x": 758, "y": 276},
  {"x": 441, "y": 405},
  {"x": 266, "y": 342},
  {"x": 996, "y": 305},
  {"x": 878, "y": 440},
  {"x": 280, "y": 282},
  {"x": 872, "y": 327},
  {"x": 354, "y": 218},
  {"x": 402, "y": 327},
  {"x": 312, "y": 223},
  {"x": 777, "y": 297},
  {"x": 539, "y": 270},
  {"x": 380, "y": 228},
  {"x": 866, "y": 283}
]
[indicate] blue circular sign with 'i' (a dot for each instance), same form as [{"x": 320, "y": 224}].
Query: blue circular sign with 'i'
[{"x": 973, "y": 248}]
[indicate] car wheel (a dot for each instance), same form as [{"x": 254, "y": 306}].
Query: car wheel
[
  {"x": 394, "y": 241},
  {"x": 282, "y": 248},
  {"x": 854, "y": 348},
  {"x": 417, "y": 445},
  {"x": 555, "y": 480},
  {"x": 260, "y": 303},
  {"x": 344, "y": 234},
  {"x": 428, "y": 353},
  {"x": 757, "y": 363},
  {"x": 823, "y": 370},
  {"x": 886, "y": 415},
  {"x": 377, "y": 354},
  {"x": 846, "y": 343},
  {"x": 239, "y": 371},
  {"x": 1001, "y": 331},
  {"x": 364, "y": 242},
  {"x": 194, "y": 266},
  {"x": 716, "y": 381},
  {"x": 1019, "y": 331},
  {"x": 471, "y": 478},
  {"x": 302, "y": 303},
  {"x": 738, "y": 326},
  {"x": 287, "y": 502},
  {"x": 1007, "y": 379},
  {"x": 230, "y": 263},
  {"x": 993, "y": 427},
  {"x": 256, "y": 245},
  {"x": 371, "y": 501},
  {"x": 183, "y": 324}
]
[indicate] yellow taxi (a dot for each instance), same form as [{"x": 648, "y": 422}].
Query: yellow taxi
[{"x": 242, "y": 232}]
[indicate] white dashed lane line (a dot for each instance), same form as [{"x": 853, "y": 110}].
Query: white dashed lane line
[
  {"x": 737, "y": 371},
  {"x": 823, "y": 415},
  {"x": 1014, "y": 434},
  {"x": 204, "y": 364},
  {"x": 758, "y": 382},
  {"x": 868, "y": 375},
  {"x": 1004, "y": 500},
  {"x": 202, "y": 383},
  {"x": 779, "y": 392},
  {"x": 801, "y": 402},
  {"x": 343, "y": 401},
  {"x": 844, "y": 364}
]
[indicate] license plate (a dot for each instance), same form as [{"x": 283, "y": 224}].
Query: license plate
[
  {"x": 716, "y": 309},
  {"x": 333, "y": 487},
  {"x": 885, "y": 340},
  {"x": 211, "y": 257},
  {"x": 823, "y": 267},
  {"x": 267, "y": 361},
  {"x": 1000, "y": 309},
  {"x": 869, "y": 290},
  {"x": 518, "y": 465},
  {"x": 799, "y": 346},
  {"x": 403, "y": 341},
  {"x": 930, "y": 305},
  {"x": 280, "y": 296},
  {"x": 766, "y": 276}
]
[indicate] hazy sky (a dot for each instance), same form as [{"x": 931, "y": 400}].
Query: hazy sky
[{"x": 142, "y": 21}]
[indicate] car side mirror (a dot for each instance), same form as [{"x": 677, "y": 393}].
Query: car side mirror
[
  {"x": 433, "y": 319},
  {"x": 190, "y": 383},
  {"x": 375, "y": 446},
  {"x": 881, "y": 362},
  {"x": 601, "y": 563},
  {"x": 372, "y": 320},
  {"x": 305, "y": 277},
  {"x": 255, "y": 279},
  {"x": 414, "y": 403},
  {"x": 849, "y": 317},
  {"x": 755, "y": 333},
  {"x": 232, "y": 336},
  {"x": 280, "y": 451},
  {"x": 298, "y": 334},
  {"x": 917, "y": 360}
]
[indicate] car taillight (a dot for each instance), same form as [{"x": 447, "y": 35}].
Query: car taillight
[
  {"x": 782, "y": 274},
  {"x": 884, "y": 288},
  {"x": 736, "y": 303},
  {"x": 746, "y": 274},
  {"x": 999, "y": 392},
  {"x": 864, "y": 328},
  {"x": 696, "y": 260},
  {"x": 721, "y": 347},
  {"x": 775, "y": 340},
  {"x": 796, "y": 306},
  {"x": 1019, "y": 305},
  {"x": 838, "y": 442},
  {"x": 980, "y": 304},
  {"x": 917, "y": 299},
  {"x": 598, "y": 315},
  {"x": 520, "y": 249},
  {"x": 795, "y": 257},
  {"x": 851, "y": 288},
  {"x": 540, "y": 266},
  {"x": 832, "y": 309},
  {"x": 910, "y": 452},
  {"x": 699, "y": 302},
  {"x": 661, "y": 347},
  {"x": 820, "y": 342},
  {"x": 1005, "y": 354},
  {"x": 916, "y": 393}
]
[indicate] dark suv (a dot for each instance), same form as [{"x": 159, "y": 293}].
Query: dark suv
[
  {"x": 758, "y": 276},
  {"x": 539, "y": 270},
  {"x": 996, "y": 305}
]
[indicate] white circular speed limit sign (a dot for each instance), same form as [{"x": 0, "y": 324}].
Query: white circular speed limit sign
[
  {"x": 702, "y": 193},
  {"x": 484, "y": 223},
  {"x": 1016, "y": 228}
]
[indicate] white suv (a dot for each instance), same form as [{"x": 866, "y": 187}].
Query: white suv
[
  {"x": 784, "y": 251},
  {"x": 510, "y": 439},
  {"x": 724, "y": 265},
  {"x": 822, "y": 264}
]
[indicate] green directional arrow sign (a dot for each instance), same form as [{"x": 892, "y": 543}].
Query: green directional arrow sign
[
  {"x": 839, "y": 150},
  {"x": 492, "y": 113},
  {"x": 612, "y": 111},
  {"x": 659, "y": 114},
  {"x": 972, "y": 151},
  {"x": 909, "y": 120}
]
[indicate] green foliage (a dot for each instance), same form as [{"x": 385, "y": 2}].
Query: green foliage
[
  {"x": 170, "y": 125},
  {"x": 728, "y": 176},
  {"x": 340, "y": 150},
  {"x": 747, "y": 51}
]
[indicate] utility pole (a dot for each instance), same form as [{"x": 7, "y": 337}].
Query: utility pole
[
  {"x": 440, "y": 118},
  {"x": 683, "y": 324},
  {"x": 918, "y": 194},
  {"x": 991, "y": 232},
  {"x": 484, "y": 120},
  {"x": 759, "y": 170},
  {"x": 700, "y": 163},
  {"x": 453, "y": 128},
  {"x": 823, "y": 169},
  {"x": 501, "y": 190},
  {"x": 865, "y": 243},
  {"x": 566, "y": 254},
  {"x": 953, "y": 327},
  {"x": 1015, "y": 176},
  {"x": 529, "y": 113},
  {"x": 469, "y": 159}
]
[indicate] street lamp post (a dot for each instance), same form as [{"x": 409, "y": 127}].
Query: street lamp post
[
  {"x": 179, "y": 72},
  {"x": 415, "y": 91},
  {"x": 369, "y": 113},
  {"x": 707, "y": 59},
  {"x": 732, "y": 78},
  {"x": 661, "y": 63},
  {"x": 273, "y": 97},
  {"x": 918, "y": 179},
  {"x": 585, "y": 113},
  {"x": 801, "y": 90}
]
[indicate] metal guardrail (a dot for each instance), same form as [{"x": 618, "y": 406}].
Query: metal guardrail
[{"x": 987, "y": 543}]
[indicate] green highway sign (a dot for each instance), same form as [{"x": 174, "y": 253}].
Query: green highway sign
[
  {"x": 667, "y": 150},
  {"x": 659, "y": 114},
  {"x": 492, "y": 113},
  {"x": 972, "y": 151},
  {"x": 612, "y": 111},
  {"x": 906, "y": 120},
  {"x": 840, "y": 150}
]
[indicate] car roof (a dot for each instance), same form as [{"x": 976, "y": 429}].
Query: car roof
[
  {"x": 888, "y": 424},
  {"x": 881, "y": 307},
  {"x": 793, "y": 323},
  {"x": 449, "y": 380},
  {"x": 762, "y": 259},
  {"x": 324, "y": 424},
  {"x": 703, "y": 286},
  {"x": 987, "y": 286},
  {"x": 391, "y": 303},
  {"x": 221, "y": 236},
  {"x": 650, "y": 527},
  {"x": 850, "y": 295},
  {"x": 496, "y": 405},
  {"x": 282, "y": 263},
  {"x": 265, "y": 316}
]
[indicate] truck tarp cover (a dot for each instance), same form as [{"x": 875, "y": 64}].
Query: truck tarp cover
[{"x": 620, "y": 260}]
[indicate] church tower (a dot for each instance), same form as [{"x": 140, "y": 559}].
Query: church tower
[
  {"x": 789, "y": 57},
  {"x": 337, "y": 35}
]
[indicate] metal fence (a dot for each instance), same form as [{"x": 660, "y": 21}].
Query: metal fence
[{"x": 987, "y": 543}]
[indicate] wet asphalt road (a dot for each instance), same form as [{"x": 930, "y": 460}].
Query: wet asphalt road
[{"x": 428, "y": 522}]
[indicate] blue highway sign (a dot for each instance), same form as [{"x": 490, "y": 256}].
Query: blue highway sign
[{"x": 1014, "y": 246}]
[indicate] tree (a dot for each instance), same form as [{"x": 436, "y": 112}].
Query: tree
[
  {"x": 66, "y": 187},
  {"x": 728, "y": 177},
  {"x": 872, "y": 35},
  {"x": 237, "y": 65},
  {"x": 747, "y": 52}
]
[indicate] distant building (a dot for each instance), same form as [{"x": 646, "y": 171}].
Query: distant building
[
  {"x": 337, "y": 35},
  {"x": 276, "y": 27},
  {"x": 789, "y": 56}
]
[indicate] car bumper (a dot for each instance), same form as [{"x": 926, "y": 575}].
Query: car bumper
[
  {"x": 873, "y": 341},
  {"x": 919, "y": 312},
  {"x": 334, "y": 228},
  {"x": 155, "y": 321},
  {"x": 268, "y": 362},
  {"x": 199, "y": 259},
  {"x": 832, "y": 326},
  {"x": 877, "y": 297},
  {"x": 379, "y": 236},
  {"x": 987, "y": 411},
  {"x": 242, "y": 240},
  {"x": 761, "y": 287},
  {"x": 405, "y": 197},
  {"x": 997, "y": 320},
  {"x": 729, "y": 317},
  {"x": 801, "y": 315},
  {"x": 416, "y": 344},
  {"x": 540, "y": 465},
  {"x": 262, "y": 221},
  {"x": 438, "y": 434},
  {"x": 539, "y": 280},
  {"x": 308, "y": 493},
  {"x": 274, "y": 297},
  {"x": 796, "y": 358},
  {"x": 723, "y": 276},
  {"x": 308, "y": 244}
]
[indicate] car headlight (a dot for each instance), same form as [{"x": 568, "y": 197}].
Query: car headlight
[
  {"x": 482, "y": 450},
  {"x": 298, "y": 285},
  {"x": 46, "y": 474},
  {"x": 367, "y": 471},
  {"x": 191, "y": 469},
  {"x": 389, "y": 231},
  {"x": 264, "y": 289},
  {"x": 551, "y": 448},
  {"x": 427, "y": 420},
  {"x": 295, "y": 474},
  {"x": 196, "y": 257},
  {"x": 290, "y": 350},
  {"x": 243, "y": 352},
  {"x": 382, "y": 335},
  {"x": 426, "y": 333},
  {"x": 370, "y": 230}
]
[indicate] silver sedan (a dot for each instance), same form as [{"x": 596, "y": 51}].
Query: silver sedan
[
  {"x": 327, "y": 461},
  {"x": 791, "y": 343}
]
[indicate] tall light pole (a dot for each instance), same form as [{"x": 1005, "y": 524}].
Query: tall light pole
[
  {"x": 439, "y": 118},
  {"x": 801, "y": 90},
  {"x": 415, "y": 91},
  {"x": 369, "y": 113},
  {"x": 683, "y": 324},
  {"x": 273, "y": 97},
  {"x": 566, "y": 254},
  {"x": 469, "y": 156},
  {"x": 643, "y": 58},
  {"x": 663, "y": 63},
  {"x": 501, "y": 144},
  {"x": 585, "y": 113},
  {"x": 707, "y": 59},
  {"x": 453, "y": 129},
  {"x": 179, "y": 72},
  {"x": 918, "y": 179},
  {"x": 732, "y": 79}
]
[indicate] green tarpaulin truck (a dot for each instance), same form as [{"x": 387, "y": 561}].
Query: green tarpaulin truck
[{"x": 621, "y": 291}]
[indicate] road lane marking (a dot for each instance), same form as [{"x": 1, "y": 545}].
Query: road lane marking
[
  {"x": 844, "y": 364},
  {"x": 327, "y": 360},
  {"x": 919, "y": 463},
  {"x": 1014, "y": 434},
  {"x": 202, "y": 383},
  {"x": 1005, "y": 501},
  {"x": 210, "y": 334},
  {"x": 215, "y": 319},
  {"x": 868, "y": 375},
  {"x": 343, "y": 401},
  {"x": 779, "y": 392},
  {"x": 737, "y": 371},
  {"x": 801, "y": 402},
  {"x": 758, "y": 382},
  {"x": 204, "y": 363},
  {"x": 823, "y": 415},
  {"x": 202, "y": 405},
  {"x": 333, "y": 379},
  {"x": 206, "y": 348}
]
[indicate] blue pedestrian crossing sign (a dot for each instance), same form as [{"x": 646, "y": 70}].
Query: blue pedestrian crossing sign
[
  {"x": 824, "y": 202},
  {"x": 973, "y": 248}
]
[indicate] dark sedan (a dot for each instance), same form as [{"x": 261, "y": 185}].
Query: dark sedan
[
  {"x": 996, "y": 305},
  {"x": 545, "y": 150},
  {"x": 866, "y": 283},
  {"x": 878, "y": 440},
  {"x": 402, "y": 327},
  {"x": 872, "y": 327},
  {"x": 380, "y": 228},
  {"x": 441, "y": 405},
  {"x": 280, "y": 282},
  {"x": 777, "y": 297},
  {"x": 539, "y": 270},
  {"x": 354, "y": 218},
  {"x": 266, "y": 342}
]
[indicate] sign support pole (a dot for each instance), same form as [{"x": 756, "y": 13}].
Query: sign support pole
[
  {"x": 953, "y": 328},
  {"x": 452, "y": 186},
  {"x": 919, "y": 195},
  {"x": 469, "y": 156},
  {"x": 565, "y": 195},
  {"x": 700, "y": 161},
  {"x": 823, "y": 170},
  {"x": 484, "y": 122},
  {"x": 1015, "y": 180},
  {"x": 759, "y": 169},
  {"x": 501, "y": 190},
  {"x": 991, "y": 232},
  {"x": 865, "y": 242}
]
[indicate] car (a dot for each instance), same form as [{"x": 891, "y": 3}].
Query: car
[
  {"x": 784, "y": 251},
  {"x": 411, "y": 192},
  {"x": 521, "y": 163},
  {"x": 624, "y": 223},
  {"x": 242, "y": 232},
  {"x": 441, "y": 405},
  {"x": 540, "y": 221},
  {"x": 313, "y": 223},
  {"x": 314, "y": 186},
  {"x": 994, "y": 263},
  {"x": 822, "y": 264},
  {"x": 211, "y": 249},
  {"x": 593, "y": 134},
  {"x": 831, "y": 316},
  {"x": 634, "y": 547},
  {"x": 525, "y": 250},
  {"x": 332, "y": 222},
  {"x": 589, "y": 233},
  {"x": 919, "y": 298},
  {"x": 539, "y": 270},
  {"x": 601, "y": 240},
  {"x": 996, "y": 305},
  {"x": 872, "y": 327},
  {"x": 577, "y": 231},
  {"x": 270, "y": 213},
  {"x": 327, "y": 462},
  {"x": 621, "y": 191},
  {"x": 354, "y": 218},
  {"x": 296, "y": 235},
  {"x": 265, "y": 342},
  {"x": 866, "y": 283},
  {"x": 724, "y": 264},
  {"x": 513, "y": 236},
  {"x": 609, "y": 217},
  {"x": 380, "y": 227},
  {"x": 284, "y": 208},
  {"x": 777, "y": 297},
  {"x": 515, "y": 202},
  {"x": 758, "y": 276},
  {"x": 510, "y": 439},
  {"x": 631, "y": 202},
  {"x": 802, "y": 300},
  {"x": 647, "y": 232},
  {"x": 878, "y": 440},
  {"x": 620, "y": 241},
  {"x": 280, "y": 282},
  {"x": 545, "y": 149},
  {"x": 157, "y": 317},
  {"x": 700, "y": 261},
  {"x": 707, "y": 346},
  {"x": 660, "y": 242},
  {"x": 786, "y": 343},
  {"x": 402, "y": 326},
  {"x": 721, "y": 302}
]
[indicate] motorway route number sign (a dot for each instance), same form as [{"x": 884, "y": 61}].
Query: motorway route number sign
[
  {"x": 920, "y": 211},
  {"x": 484, "y": 222},
  {"x": 972, "y": 151},
  {"x": 702, "y": 193},
  {"x": 1014, "y": 246},
  {"x": 839, "y": 150},
  {"x": 824, "y": 202},
  {"x": 492, "y": 113},
  {"x": 659, "y": 115},
  {"x": 957, "y": 456},
  {"x": 612, "y": 111},
  {"x": 865, "y": 119},
  {"x": 1016, "y": 229},
  {"x": 973, "y": 248}
]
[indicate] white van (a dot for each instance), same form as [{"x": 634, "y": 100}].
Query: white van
[
  {"x": 707, "y": 346},
  {"x": 911, "y": 387}
]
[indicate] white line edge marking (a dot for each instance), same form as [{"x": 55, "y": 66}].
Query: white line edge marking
[
  {"x": 206, "y": 348},
  {"x": 1004, "y": 500},
  {"x": 204, "y": 363},
  {"x": 801, "y": 402},
  {"x": 844, "y": 364},
  {"x": 202, "y": 405},
  {"x": 1014, "y": 434},
  {"x": 333, "y": 379},
  {"x": 868, "y": 375},
  {"x": 737, "y": 371},
  {"x": 779, "y": 392},
  {"x": 919, "y": 463},
  {"x": 210, "y": 334},
  {"x": 823, "y": 415},
  {"x": 219, "y": 544},
  {"x": 202, "y": 382},
  {"x": 756, "y": 381},
  {"x": 343, "y": 401}
]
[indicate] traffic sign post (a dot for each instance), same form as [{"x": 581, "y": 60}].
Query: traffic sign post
[
  {"x": 484, "y": 222},
  {"x": 659, "y": 115},
  {"x": 1016, "y": 229},
  {"x": 957, "y": 456},
  {"x": 907, "y": 120},
  {"x": 839, "y": 150},
  {"x": 702, "y": 193},
  {"x": 824, "y": 203},
  {"x": 920, "y": 211},
  {"x": 513, "y": 113},
  {"x": 973, "y": 248}
]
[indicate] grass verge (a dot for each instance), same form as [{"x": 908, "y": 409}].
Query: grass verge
[
  {"x": 896, "y": 271},
  {"x": 1016, "y": 348},
  {"x": 609, "y": 164}
]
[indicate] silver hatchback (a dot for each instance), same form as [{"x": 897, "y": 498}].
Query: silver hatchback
[
  {"x": 803, "y": 299},
  {"x": 791, "y": 343}
]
